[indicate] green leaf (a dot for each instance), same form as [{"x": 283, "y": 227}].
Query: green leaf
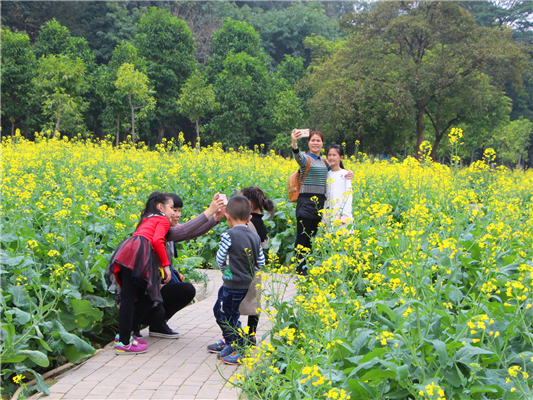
[
  {"x": 37, "y": 357},
  {"x": 85, "y": 313},
  {"x": 40, "y": 382},
  {"x": 378, "y": 375},
  {"x": 73, "y": 355},
  {"x": 69, "y": 338},
  {"x": 12, "y": 261},
  {"x": 402, "y": 372},
  {"x": 22, "y": 317},
  {"x": 45, "y": 345},
  {"x": 483, "y": 389},
  {"x": 20, "y": 296},
  {"x": 442, "y": 352},
  {"x": 383, "y": 308},
  {"x": 15, "y": 358},
  {"x": 373, "y": 354},
  {"x": 466, "y": 354}
]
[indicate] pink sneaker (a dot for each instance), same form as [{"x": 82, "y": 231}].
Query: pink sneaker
[
  {"x": 133, "y": 348},
  {"x": 132, "y": 338}
]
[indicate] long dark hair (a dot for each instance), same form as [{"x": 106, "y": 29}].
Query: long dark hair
[
  {"x": 151, "y": 205},
  {"x": 339, "y": 149},
  {"x": 258, "y": 199}
]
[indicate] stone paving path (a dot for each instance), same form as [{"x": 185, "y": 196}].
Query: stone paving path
[{"x": 171, "y": 369}]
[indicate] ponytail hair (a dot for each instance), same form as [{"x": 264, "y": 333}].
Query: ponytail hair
[
  {"x": 258, "y": 199},
  {"x": 150, "y": 208},
  {"x": 339, "y": 150}
]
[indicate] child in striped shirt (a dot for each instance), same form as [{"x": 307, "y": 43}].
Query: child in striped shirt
[{"x": 239, "y": 257}]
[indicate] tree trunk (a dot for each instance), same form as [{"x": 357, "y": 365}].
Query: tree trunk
[
  {"x": 57, "y": 123},
  {"x": 419, "y": 131},
  {"x": 197, "y": 133},
  {"x": 12, "y": 128},
  {"x": 161, "y": 132},
  {"x": 132, "y": 120},
  {"x": 118, "y": 129}
]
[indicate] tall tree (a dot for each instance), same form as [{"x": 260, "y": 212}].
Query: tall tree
[
  {"x": 242, "y": 89},
  {"x": 116, "y": 102},
  {"x": 18, "y": 68},
  {"x": 135, "y": 85},
  {"x": 512, "y": 140},
  {"x": 58, "y": 87},
  {"x": 405, "y": 58},
  {"x": 196, "y": 100},
  {"x": 234, "y": 37},
  {"x": 168, "y": 47}
]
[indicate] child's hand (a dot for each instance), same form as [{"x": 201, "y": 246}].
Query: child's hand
[
  {"x": 349, "y": 175},
  {"x": 167, "y": 274},
  {"x": 221, "y": 213}
]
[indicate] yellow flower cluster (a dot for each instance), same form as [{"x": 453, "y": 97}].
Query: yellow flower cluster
[{"x": 431, "y": 390}]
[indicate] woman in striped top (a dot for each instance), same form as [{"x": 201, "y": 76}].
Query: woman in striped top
[{"x": 312, "y": 193}]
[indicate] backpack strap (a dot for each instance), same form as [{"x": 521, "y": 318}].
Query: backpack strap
[{"x": 307, "y": 168}]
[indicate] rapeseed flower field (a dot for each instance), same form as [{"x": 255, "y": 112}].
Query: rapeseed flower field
[{"x": 425, "y": 294}]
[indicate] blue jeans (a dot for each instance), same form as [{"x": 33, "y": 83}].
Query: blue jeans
[{"x": 227, "y": 313}]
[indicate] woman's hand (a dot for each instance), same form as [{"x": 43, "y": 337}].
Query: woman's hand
[
  {"x": 295, "y": 135},
  {"x": 349, "y": 175},
  {"x": 216, "y": 204},
  {"x": 167, "y": 274}
]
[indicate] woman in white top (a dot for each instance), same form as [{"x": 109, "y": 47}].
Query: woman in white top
[{"x": 339, "y": 189}]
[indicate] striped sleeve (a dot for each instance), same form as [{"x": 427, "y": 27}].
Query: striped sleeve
[
  {"x": 261, "y": 258},
  {"x": 300, "y": 157},
  {"x": 223, "y": 247}
]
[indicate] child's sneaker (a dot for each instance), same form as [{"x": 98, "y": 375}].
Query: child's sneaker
[
  {"x": 132, "y": 338},
  {"x": 232, "y": 359},
  {"x": 217, "y": 347},
  {"x": 133, "y": 348},
  {"x": 225, "y": 352}
]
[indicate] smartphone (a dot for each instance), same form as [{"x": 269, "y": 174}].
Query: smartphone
[
  {"x": 224, "y": 198},
  {"x": 305, "y": 132}
]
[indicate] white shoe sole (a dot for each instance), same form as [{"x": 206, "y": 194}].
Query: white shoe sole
[{"x": 165, "y": 335}]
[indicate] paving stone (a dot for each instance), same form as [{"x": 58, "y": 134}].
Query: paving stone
[
  {"x": 76, "y": 394},
  {"x": 102, "y": 390},
  {"x": 61, "y": 387},
  {"x": 189, "y": 390},
  {"x": 142, "y": 394},
  {"x": 149, "y": 385},
  {"x": 164, "y": 394}
]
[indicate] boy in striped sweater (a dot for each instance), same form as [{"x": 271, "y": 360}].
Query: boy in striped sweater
[{"x": 239, "y": 257}]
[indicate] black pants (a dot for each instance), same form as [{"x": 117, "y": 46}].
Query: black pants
[
  {"x": 306, "y": 229},
  {"x": 134, "y": 305},
  {"x": 175, "y": 297}
]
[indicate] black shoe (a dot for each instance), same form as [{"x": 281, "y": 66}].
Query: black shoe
[
  {"x": 250, "y": 340},
  {"x": 163, "y": 331}
]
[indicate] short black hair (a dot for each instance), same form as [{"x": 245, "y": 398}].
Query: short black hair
[
  {"x": 239, "y": 208},
  {"x": 178, "y": 202}
]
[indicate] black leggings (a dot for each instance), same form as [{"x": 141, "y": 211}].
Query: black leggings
[
  {"x": 175, "y": 297},
  {"x": 305, "y": 230},
  {"x": 253, "y": 320},
  {"x": 132, "y": 312}
]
